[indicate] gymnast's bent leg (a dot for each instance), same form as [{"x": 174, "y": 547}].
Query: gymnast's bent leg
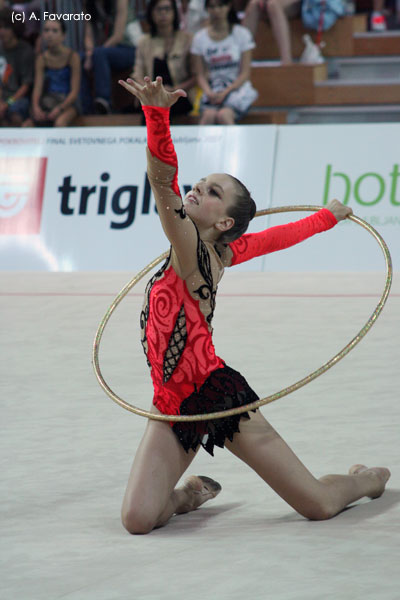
[
  {"x": 261, "y": 447},
  {"x": 150, "y": 498}
]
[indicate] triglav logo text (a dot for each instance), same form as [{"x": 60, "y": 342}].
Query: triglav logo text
[{"x": 104, "y": 198}]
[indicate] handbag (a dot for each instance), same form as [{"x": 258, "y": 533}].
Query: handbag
[{"x": 321, "y": 14}]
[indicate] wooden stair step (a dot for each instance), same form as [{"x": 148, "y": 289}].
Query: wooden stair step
[
  {"x": 261, "y": 117},
  {"x": 377, "y": 44},
  {"x": 291, "y": 85},
  {"x": 338, "y": 40},
  {"x": 342, "y": 93},
  {"x": 129, "y": 120},
  {"x": 108, "y": 120},
  {"x": 254, "y": 116},
  {"x": 393, "y": 110}
]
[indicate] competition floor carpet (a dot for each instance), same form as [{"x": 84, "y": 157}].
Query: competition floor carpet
[{"x": 66, "y": 448}]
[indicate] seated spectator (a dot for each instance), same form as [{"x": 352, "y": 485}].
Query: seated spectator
[
  {"x": 278, "y": 12},
  {"x": 377, "y": 19},
  {"x": 222, "y": 58},
  {"x": 165, "y": 51},
  {"x": 32, "y": 18},
  {"x": 16, "y": 72},
  {"x": 57, "y": 80},
  {"x": 106, "y": 52}
]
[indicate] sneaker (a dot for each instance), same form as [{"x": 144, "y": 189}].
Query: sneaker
[
  {"x": 378, "y": 22},
  {"x": 101, "y": 106}
]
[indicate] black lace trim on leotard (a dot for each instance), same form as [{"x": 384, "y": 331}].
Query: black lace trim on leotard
[
  {"x": 178, "y": 337},
  {"x": 181, "y": 212},
  {"x": 144, "y": 315},
  {"x": 205, "y": 291},
  {"x": 224, "y": 388},
  {"x": 176, "y": 345}
]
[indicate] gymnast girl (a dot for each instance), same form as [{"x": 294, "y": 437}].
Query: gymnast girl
[{"x": 206, "y": 231}]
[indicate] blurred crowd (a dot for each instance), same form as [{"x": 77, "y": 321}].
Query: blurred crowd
[{"x": 62, "y": 58}]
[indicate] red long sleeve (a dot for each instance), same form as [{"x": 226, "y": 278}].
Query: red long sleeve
[
  {"x": 159, "y": 139},
  {"x": 251, "y": 245}
]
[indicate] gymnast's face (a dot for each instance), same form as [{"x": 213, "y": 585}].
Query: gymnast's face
[{"x": 207, "y": 204}]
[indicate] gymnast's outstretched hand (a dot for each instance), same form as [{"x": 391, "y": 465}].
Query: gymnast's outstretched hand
[{"x": 152, "y": 93}]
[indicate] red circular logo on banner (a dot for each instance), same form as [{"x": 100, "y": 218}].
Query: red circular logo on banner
[{"x": 21, "y": 194}]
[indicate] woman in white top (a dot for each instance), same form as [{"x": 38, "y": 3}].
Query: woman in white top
[{"x": 221, "y": 60}]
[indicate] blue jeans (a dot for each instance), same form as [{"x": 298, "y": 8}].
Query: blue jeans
[
  {"x": 21, "y": 107},
  {"x": 105, "y": 60}
]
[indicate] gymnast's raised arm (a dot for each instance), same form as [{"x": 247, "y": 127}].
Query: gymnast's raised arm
[
  {"x": 162, "y": 169},
  {"x": 251, "y": 245}
]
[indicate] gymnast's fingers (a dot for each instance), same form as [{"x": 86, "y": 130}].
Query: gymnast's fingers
[
  {"x": 134, "y": 83},
  {"x": 132, "y": 86},
  {"x": 176, "y": 94}
]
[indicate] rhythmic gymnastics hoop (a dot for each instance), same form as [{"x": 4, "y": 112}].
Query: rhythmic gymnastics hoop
[{"x": 263, "y": 401}]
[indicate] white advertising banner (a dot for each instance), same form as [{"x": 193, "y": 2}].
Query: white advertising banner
[
  {"x": 357, "y": 164},
  {"x": 79, "y": 199}
]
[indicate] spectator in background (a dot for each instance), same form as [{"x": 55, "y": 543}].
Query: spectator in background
[
  {"x": 16, "y": 72},
  {"x": 221, "y": 58},
  {"x": 57, "y": 80},
  {"x": 110, "y": 38},
  {"x": 165, "y": 51},
  {"x": 193, "y": 15},
  {"x": 278, "y": 12},
  {"x": 32, "y": 24},
  {"x": 377, "y": 19}
]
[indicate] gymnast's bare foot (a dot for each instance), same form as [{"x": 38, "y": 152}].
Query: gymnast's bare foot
[
  {"x": 198, "y": 490},
  {"x": 379, "y": 477}
]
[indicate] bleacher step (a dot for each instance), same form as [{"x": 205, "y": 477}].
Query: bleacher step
[
  {"x": 372, "y": 67},
  {"x": 259, "y": 116},
  {"x": 254, "y": 116},
  {"x": 357, "y": 92},
  {"x": 291, "y": 85},
  {"x": 339, "y": 40},
  {"x": 344, "y": 114},
  {"x": 375, "y": 44},
  {"x": 107, "y": 120}
]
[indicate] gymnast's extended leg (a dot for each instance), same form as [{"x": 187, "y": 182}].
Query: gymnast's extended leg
[
  {"x": 260, "y": 446},
  {"x": 150, "y": 498}
]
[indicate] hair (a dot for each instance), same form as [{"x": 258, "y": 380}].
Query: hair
[
  {"x": 232, "y": 16},
  {"x": 61, "y": 23},
  {"x": 149, "y": 16},
  {"x": 242, "y": 211},
  {"x": 8, "y": 22}
]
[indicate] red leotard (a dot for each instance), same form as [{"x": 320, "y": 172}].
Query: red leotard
[{"x": 176, "y": 332}]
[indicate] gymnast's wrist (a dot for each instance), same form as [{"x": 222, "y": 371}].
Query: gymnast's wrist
[
  {"x": 157, "y": 122},
  {"x": 149, "y": 109},
  {"x": 156, "y": 116}
]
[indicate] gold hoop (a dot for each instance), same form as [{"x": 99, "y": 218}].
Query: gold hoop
[{"x": 284, "y": 392}]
